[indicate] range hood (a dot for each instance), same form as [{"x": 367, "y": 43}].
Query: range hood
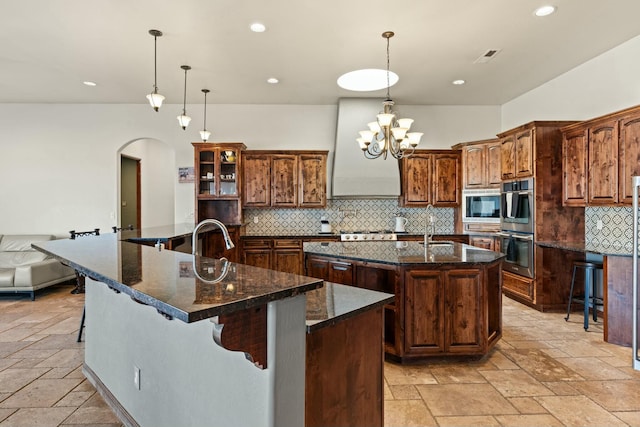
[{"x": 355, "y": 176}]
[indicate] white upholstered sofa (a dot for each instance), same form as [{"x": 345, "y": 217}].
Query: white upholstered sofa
[{"x": 25, "y": 270}]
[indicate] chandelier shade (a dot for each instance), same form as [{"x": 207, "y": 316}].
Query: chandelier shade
[
  {"x": 183, "y": 119},
  {"x": 388, "y": 134},
  {"x": 155, "y": 99}
]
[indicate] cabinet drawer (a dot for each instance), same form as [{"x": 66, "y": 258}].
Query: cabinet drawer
[
  {"x": 517, "y": 284},
  {"x": 287, "y": 243},
  {"x": 256, "y": 244}
]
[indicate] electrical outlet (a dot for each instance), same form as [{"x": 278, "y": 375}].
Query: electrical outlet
[
  {"x": 112, "y": 215},
  {"x": 255, "y": 219},
  {"x": 136, "y": 377},
  {"x": 599, "y": 224}
]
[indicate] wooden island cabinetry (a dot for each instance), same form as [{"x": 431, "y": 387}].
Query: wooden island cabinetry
[
  {"x": 431, "y": 177},
  {"x": 599, "y": 158},
  {"x": 444, "y": 305},
  {"x": 278, "y": 254},
  {"x": 279, "y": 179}
]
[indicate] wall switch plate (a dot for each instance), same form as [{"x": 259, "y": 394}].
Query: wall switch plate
[
  {"x": 136, "y": 377},
  {"x": 599, "y": 224}
]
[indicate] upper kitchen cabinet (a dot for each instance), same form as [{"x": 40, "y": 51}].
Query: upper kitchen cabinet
[
  {"x": 431, "y": 177},
  {"x": 603, "y": 163},
  {"x": 218, "y": 181},
  {"x": 481, "y": 164},
  {"x": 600, "y": 158},
  {"x": 529, "y": 145},
  {"x": 574, "y": 166},
  {"x": 279, "y": 179},
  {"x": 516, "y": 154}
]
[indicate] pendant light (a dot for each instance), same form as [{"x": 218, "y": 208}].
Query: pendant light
[
  {"x": 183, "y": 119},
  {"x": 155, "y": 99},
  {"x": 204, "y": 133}
]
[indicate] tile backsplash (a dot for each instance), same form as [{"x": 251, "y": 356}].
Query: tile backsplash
[
  {"x": 617, "y": 227},
  {"x": 348, "y": 215}
]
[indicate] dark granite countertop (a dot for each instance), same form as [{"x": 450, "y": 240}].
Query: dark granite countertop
[
  {"x": 334, "y": 303},
  {"x": 404, "y": 253},
  {"x": 606, "y": 250},
  {"x": 166, "y": 279}
]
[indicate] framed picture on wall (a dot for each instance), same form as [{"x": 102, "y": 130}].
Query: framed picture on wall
[{"x": 186, "y": 174}]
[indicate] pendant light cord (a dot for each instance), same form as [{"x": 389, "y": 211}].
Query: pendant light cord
[
  {"x": 184, "y": 101},
  {"x": 155, "y": 64},
  {"x": 205, "y": 111}
]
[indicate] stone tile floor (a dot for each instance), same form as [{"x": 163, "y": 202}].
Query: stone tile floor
[{"x": 544, "y": 372}]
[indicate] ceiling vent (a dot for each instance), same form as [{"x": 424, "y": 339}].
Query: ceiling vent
[{"x": 487, "y": 56}]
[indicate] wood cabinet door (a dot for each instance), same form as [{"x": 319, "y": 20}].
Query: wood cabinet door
[
  {"x": 629, "y": 149},
  {"x": 524, "y": 153},
  {"x": 603, "y": 163},
  {"x": 318, "y": 268},
  {"x": 492, "y": 156},
  {"x": 284, "y": 188},
  {"x": 288, "y": 260},
  {"x": 312, "y": 180},
  {"x": 424, "y": 309},
  {"x": 256, "y": 190},
  {"x": 446, "y": 180},
  {"x": 416, "y": 180},
  {"x": 463, "y": 311},
  {"x": 474, "y": 166},
  {"x": 574, "y": 167},
  {"x": 257, "y": 257},
  {"x": 508, "y": 157}
]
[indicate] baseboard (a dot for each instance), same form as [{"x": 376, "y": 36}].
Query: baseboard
[{"x": 111, "y": 400}]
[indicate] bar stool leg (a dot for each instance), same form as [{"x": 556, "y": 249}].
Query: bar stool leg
[
  {"x": 587, "y": 297},
  {"x": 81, "y": 326},
  {"x": 573, "y": 279},
  {"x": 593, "y": 295}
]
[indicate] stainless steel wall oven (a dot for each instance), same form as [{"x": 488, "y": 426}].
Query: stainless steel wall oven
[
  {"x": 519, "y": 249},
  {"x": 517, "y": 206}
]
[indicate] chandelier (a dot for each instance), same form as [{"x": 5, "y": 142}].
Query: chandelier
[{"x": 388, "y": 134}]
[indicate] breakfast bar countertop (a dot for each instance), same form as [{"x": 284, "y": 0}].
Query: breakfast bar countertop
[
  {"x": 166, "y": 280},
  {"x": 404, "y": 252},
  {"x": 606, "y": 250}
]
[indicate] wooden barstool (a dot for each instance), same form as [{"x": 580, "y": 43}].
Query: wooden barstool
[{"x": 590, "y": 297}]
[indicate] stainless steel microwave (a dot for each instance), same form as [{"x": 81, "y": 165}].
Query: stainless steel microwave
[{"x": 481, "y": 205}]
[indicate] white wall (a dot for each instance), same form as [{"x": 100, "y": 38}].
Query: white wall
[
  {"x": 605, "y": 84},
  {"x": 59, "y": 163}
]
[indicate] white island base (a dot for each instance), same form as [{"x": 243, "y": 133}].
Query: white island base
[{"x": 185, "y": 378}]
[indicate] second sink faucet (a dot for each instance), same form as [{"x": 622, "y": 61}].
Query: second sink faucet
[
  {"x": 225, "y": 233},
  {"x": 429, "y": 225}
]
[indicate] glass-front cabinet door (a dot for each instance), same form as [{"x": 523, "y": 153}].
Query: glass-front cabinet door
[
  {"x": 217, "y": 169},
  {"x": 228, "y": 172}
]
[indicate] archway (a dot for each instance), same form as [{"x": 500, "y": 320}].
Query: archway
[{"x": 157, "y": 181}]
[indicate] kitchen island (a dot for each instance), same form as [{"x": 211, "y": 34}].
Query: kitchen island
[
  {"x": 176, "y": 339},
  {"x": 448, "y": 296}
]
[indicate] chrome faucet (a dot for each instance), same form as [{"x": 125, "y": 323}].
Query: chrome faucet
[
  {"x": 429, "y": 225},
  {"x": 225, "y": 233}
]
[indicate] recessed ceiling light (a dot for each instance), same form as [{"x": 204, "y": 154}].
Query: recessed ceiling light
[
  {"x": 272, "y": 80},
  {"x": 88, "y": 83},
  {"x": 545, "y": 10},
  {"x": 367, "y": 80},
  {"x": 257, "y": 27},
  {"x": 458, "y": 82}
]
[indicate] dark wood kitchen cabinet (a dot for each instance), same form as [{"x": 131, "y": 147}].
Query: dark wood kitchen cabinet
[
  {"x": 481, "y": 164},
  {"x": 431, "y": 177},
  {"x": 600, "y": 158},
  {"x": 275, "y": 254},
  {"x": 516, "y": 154},
  {"x": 574, "y": 166},
  {"x": 279, "y": 179},
  {"x": 331, "y": 270},
  {"x": 603, "y": 163},
  {"x": 218, "y": 181}
]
